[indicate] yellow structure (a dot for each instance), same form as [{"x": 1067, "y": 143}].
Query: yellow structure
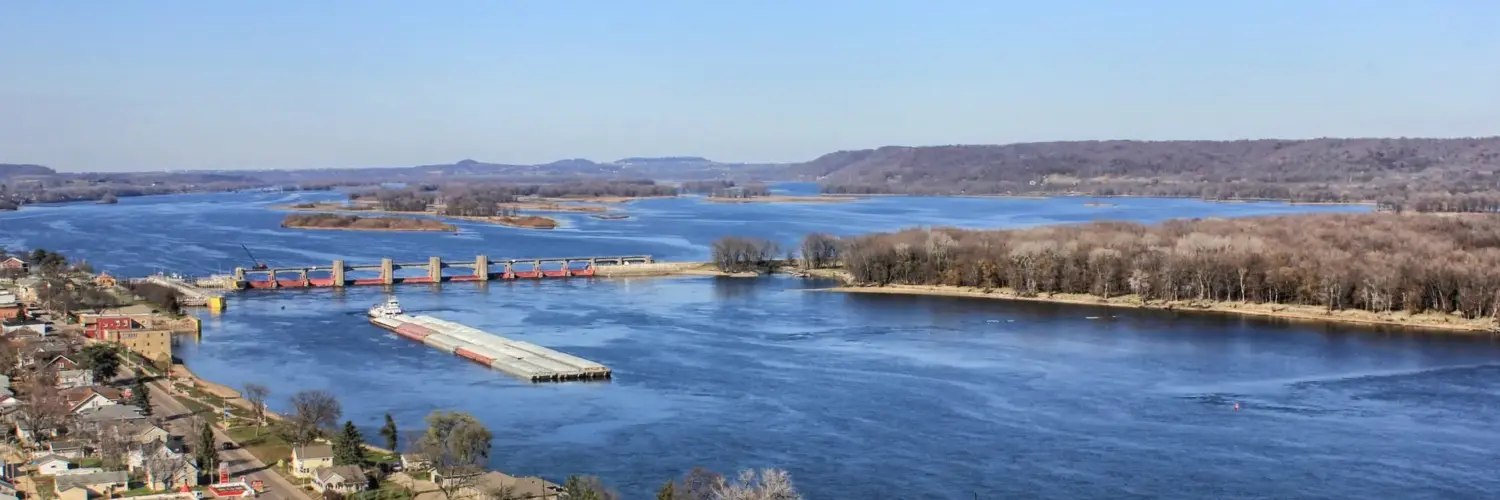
[
  {"x": 216, "y": 304},
  {"x": 155, "y": 345}
]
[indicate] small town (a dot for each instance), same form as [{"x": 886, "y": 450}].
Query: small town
[{"x": 94, "y": 406}]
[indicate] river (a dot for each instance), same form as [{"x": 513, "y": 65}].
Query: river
[{"x": 859, "y": 396}]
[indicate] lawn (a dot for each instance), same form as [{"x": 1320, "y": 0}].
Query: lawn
[
  {"x": 90, "y": 462},
  {"x": 268, "y": 447}
]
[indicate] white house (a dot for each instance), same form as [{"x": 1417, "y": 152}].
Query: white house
[
  {"x": 68, "y": 379},
  {"x": 90, "y": 402},
  {"x": 342, "y": 479},
  {"x": 307, "y": 459},
  {"x": 71, "y": 450},
  {"x": 411, "y": 462},
  {"x": 162, "y": 466},
  {"x": 50, "y": 465}
]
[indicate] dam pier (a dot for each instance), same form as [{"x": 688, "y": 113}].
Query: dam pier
[{"x": 387, "y": 272}]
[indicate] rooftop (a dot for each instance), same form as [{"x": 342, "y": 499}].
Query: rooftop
[
  {"x": 83, "y": 480},
  {"x": 346, "y": 472},
  {"x": 113, "y": 412},
  {"x": 313, "y": 452}
]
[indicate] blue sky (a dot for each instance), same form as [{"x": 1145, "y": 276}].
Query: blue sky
[{"x": 174, "y": 84}]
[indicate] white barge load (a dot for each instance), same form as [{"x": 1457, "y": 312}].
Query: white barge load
[{"x": 522, "y": 359}]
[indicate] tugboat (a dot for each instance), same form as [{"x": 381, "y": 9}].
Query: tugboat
[{"x": 390, "y": 309}]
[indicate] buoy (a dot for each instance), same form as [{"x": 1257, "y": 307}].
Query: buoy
[{"x": 1236, "y": 406}]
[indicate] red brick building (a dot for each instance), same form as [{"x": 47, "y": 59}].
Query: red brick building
[
  {"x": 14, "y": 263},
  {"x": 103, "y": 326}
]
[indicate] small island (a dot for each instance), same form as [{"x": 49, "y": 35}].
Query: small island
[
  {"x": 358, "y": 223},
  {"x": 504, "y": 219}
]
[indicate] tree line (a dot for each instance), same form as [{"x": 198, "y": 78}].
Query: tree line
[
  {"x": 1318, "y": 170},
  {"x": 1378, "y": 262}
]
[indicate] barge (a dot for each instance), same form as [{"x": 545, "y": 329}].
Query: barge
[{"x": 519, "y": 358}]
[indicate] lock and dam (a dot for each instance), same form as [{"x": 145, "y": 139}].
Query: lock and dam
[{"x": 434, "y": 270}]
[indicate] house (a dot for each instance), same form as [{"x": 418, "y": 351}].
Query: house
[
  {"x": 104, "y": 280},
  {"x": 100, "y": 484},
  {"x": 84, "y": 399},
  {"x": 340, "y": 479},
  {"x": 140, "y": 432},
  {"x": 50, "y": 465},
  {"x": 15, "y": 263},
  {"x": 7, "y": 489},
  {"x": 24, "y": 433},
  {"x": 164, "y": 466},
  {"x": 68, "y": 379},
  {"x": 306, "y": 459},
  {"x": 68, "y": 449},
  {"x": 61, "y": 362},
  {"x": 26, "y": 289},
  {"x": 414, "y": 462},
  {"x": 97, "y": 418}
]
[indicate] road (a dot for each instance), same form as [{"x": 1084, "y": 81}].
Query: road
[{"x": 241, "y": 462}]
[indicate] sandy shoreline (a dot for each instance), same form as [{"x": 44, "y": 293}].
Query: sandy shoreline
[{"x": 1445, "y": 323}]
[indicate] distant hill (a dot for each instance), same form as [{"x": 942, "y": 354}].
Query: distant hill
[
  {"x": 19, "y": 170},
  {"x": 1307, "y": 170}
]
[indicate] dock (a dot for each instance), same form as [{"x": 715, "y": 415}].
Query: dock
[{"x": 519, "y": 358}]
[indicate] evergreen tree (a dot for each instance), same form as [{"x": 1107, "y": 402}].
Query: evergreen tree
[
  {"x": 666, "y": 492},
  {"x": 349, "y": 446},
  {"x": 390, "y": 434},
  {"x": 205, "y": 452},
  {"x": 140, "y": 396}
]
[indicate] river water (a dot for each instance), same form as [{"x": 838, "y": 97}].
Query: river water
[{"x": 861, "y": 397}]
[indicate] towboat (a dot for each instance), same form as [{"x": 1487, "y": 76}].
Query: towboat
[{"x": 390, "y": 309}]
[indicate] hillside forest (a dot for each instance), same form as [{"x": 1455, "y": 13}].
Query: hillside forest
[{"x": 1457, "y": 175}]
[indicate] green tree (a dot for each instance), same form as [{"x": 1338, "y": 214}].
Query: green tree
[
  {"x": 349, "y": 446},
  {"x": 665, "y": 493},
  {"x": 103, "y": 360},
  {"x": 140, "y": 396},
  {"x": 457, "y": 445},
  {"x": 391, "y": 434},
  {"x": 205, "y": 453},
  {"x": 587, "y": 488}
]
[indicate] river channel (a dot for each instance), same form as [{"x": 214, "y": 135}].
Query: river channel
[{"x": 858, "y": 396}]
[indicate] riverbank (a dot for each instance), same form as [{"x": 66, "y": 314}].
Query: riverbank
[
  {"x": 1444, "y": 322},
  {"x": 520, "y": 221},
  {"x": 784, "y": 199},
  {"x": 338, "y": 222}
]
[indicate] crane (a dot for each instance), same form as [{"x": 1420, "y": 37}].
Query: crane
[{"x": 258, "y": 264}]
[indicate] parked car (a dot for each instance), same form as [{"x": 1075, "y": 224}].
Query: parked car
[{"x": 229, "y": 445}]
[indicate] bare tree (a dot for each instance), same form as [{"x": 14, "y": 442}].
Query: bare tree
[
  {"x": 47, "y": 409},
  {"x": 768, "y": 484},
  {"x": 458, "y": 446},
  {"x": 697, "y": 484},
  {"x": 819, "y": 250},
  {"x": 256, "y": 395},
  {"x": 166, "y": 468},
  {"x": 313, "y": 412}
]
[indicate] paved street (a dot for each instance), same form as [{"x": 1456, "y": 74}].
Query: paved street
[{"x": 241, "y": 462}]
